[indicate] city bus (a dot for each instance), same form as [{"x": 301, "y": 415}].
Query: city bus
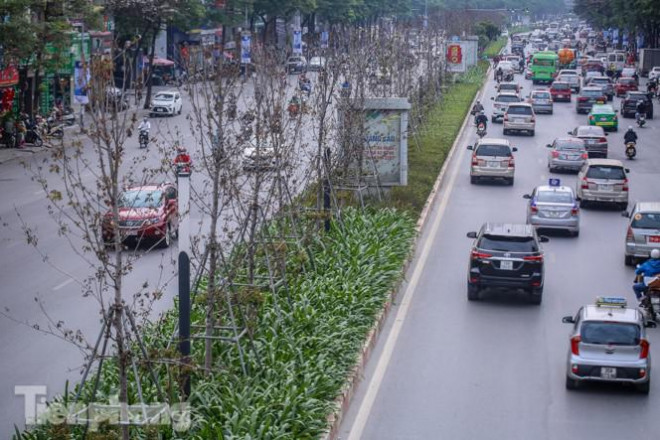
[{"x": 544, "y": 66}]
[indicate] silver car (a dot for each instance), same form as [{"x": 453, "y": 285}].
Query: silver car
[
  {"x": 541, "y": 101},
  {"x": 603, "y": 181},
  {"x": 594, "y": 137},
  {"x": 492, "y": 159},
  {"x": 605, "y": 83},
  {"x": 608, "y": 343},
  {"x": 643, "y": 234},
  {"x": 519, "y": 117},
  {"x": 568, "y": 153},
  {"x": 502, "y": 101},
  {"x": 570, "y": 76},
  {"x": 553, "y": 207}
]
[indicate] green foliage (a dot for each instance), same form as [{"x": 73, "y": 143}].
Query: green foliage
[{"x": 634, "y": 15}]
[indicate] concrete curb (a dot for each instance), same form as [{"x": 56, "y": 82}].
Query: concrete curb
[{"x": 343, "y": 401}]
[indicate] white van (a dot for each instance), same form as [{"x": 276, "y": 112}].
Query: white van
[{"x": 616, "y": 61}]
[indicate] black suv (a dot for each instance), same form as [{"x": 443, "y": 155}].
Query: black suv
[
  {"x": 629, "y": 104},
  {"x": 506, "y": 256}
]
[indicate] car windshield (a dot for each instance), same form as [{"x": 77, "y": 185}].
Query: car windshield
[
  {"x": 541, "y": 95},
  {"x": 508, "y": 86},
  {"x": 554, "y": 197},
  {"x": 606, "y": 172},
  {"x": 609, "y": 333},
  {"x": 507, "y": 98},
  {"x": 165, "y": 97},
  {"x": 600, "y": 81},
  {"x": 602, "y": 109},
  {"x": 646, "y": 220},
  {"x": 493, "y": 150},
  {"x": 626, "y": 81},
  {"x": 542, "y": 62},
  {"x": 141, "y": 199},
  {"x": 637, "y": 96},
  {"x": 590, "y": 132},
  {"x": 560, "y": 86},
  {"x": 519, "y": 110},
  {"x": 593, "y": 93},
  {"x": 574, "y": 145},
  {"x": 508, "y": 244}
]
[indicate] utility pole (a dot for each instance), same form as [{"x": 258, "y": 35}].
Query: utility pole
[{"x": 183, "y": 172}]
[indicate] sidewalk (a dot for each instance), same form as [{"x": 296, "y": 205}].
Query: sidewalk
[{"x": 10, "y": 154}]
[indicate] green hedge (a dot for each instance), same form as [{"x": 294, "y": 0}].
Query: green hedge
[{"x": 307, "y": 346}]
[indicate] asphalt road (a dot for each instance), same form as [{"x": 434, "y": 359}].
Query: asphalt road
[{"x": 495, "y": 369}]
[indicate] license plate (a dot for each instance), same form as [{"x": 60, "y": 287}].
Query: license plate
[
  {"x": 603, "y": 119},
  {"x": 492, "y": 164},
  {"x": 132, "y": 232},
  {"x": 553, "y": 214},
  {"x": 160, "y": 110},
  {"x": 605, "y": 187},
  {"x": 573, "y": 157},
  {"x": 608, "y": 373},
  {"x": 654, "y": 239},
  {"x": 506, "y": 264},
  {"x": 590, "y": 141},
  {"x": 561, "y": 96}
]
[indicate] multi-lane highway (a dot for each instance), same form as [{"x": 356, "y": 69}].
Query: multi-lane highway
[{"x": 449, "y": 368}]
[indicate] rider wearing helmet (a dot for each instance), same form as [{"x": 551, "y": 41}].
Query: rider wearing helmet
[
  {"x": 630, "y": 135},
  {"x": 182, "y": 160},
  {"x": 145, "y": 125},
  {"x": 649, "y": 268},
  {"x": 481, "y": 118}
]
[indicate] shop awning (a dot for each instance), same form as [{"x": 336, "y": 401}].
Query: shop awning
[{"x": 159, "y": 61}]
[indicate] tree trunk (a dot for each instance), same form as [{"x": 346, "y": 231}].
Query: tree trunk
[{"x": 150, "y": 72}]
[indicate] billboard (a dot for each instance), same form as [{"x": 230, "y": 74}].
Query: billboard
[
  {"x": 456, "y": 60},
  {"x": 297, "y": 42},
  {"x": 245, "y": 49},
  {"x": 81, "y": 78},
  {"x": 386, "y": 140}
]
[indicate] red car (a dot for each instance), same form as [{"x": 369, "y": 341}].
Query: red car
[
  {"x": 148, "y": 212},
  {"x": 560, "y": 91},
  {"x": 624, "y": 85}
]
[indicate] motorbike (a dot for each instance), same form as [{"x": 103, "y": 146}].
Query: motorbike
[
  {"x": 66, "y": 116},
  {"x": 49, "y": 129},
  {"x": 33, "y": 137},
  {"x": 631, "y": 150},
  {"x": 8, "y": 138},
  {"x": 651, "y": 300},
  {"x": 641, "y": 120},
  {"x": 144, "y": 138},
  {"x": 481, "y": 130}
]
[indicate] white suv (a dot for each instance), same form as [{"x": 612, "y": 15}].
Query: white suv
[{"x": 654, "y": 73}]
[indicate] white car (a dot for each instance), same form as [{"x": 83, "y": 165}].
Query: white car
[
  {"x": 166, "y": 103},
  {"x": 654, "y": 73},
  {"x": 316, "y": 63}
]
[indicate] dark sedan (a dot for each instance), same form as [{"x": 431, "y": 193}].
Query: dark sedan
[
  {"x": 588, "y": 97},
  {"x": 629, "y": 104}
]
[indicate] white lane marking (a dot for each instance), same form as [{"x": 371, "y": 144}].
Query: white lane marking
[
  {"x": 386, "y": 355},
  {"x": 63, "y": 284},
  {"x": 38, "y": 193}
]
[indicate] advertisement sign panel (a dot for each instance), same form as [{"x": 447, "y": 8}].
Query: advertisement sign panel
[
  {"x": 455, "y": 57},
  {"x": 297, "y": 42},
  {"x": 386, "y": 143},
  {"x": 324, "y": 39},
  {"x": 81, "y": 77},
  {"x": 8, "y": 76},
  {"x": 245, "y": 49}
]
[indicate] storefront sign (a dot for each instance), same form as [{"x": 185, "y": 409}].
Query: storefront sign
[
  {"x": 8, "y": 76},
  {"x": 297, "y": 42}
]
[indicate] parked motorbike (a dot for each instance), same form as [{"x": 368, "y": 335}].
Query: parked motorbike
[
  {"x": 144, "y": 138},
  {"x": 33, "y": 137},
  {"x": 49, "y": 129},
  {"x": 8, "y": 138},
  {"x": 631, "y": 150}
]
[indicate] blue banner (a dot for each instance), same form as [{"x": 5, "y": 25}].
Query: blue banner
[
  {"x": 81, "y": 77},
  {"x": 324, "y": 39},
  {"x": 245, "y": 49},
  {"x": 640, "y": 41},
  {"x": 297, "y": 43}
]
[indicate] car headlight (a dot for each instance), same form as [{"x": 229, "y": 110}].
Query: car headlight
[{"x": 152, "y": 221}]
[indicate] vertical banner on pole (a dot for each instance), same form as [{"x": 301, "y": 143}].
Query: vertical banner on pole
[
  {"x": 245, "y": 49},
  {"x": 80, "y": 78},
  {"x": 297, "y": 42},
  {"x": 324, "y": 39}
]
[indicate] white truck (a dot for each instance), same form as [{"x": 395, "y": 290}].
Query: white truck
[{"x": 648, "y": 58}]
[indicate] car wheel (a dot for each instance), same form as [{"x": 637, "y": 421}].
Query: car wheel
[
  {"x": 575, "y": 233},
  {"x": 550, "y": 112},
  {"x": 536, "y": 296},
  {"x": 629, "y": 260},
  {"x": 505, "y": 131},
  {"x": 623, "y": 206},
  {"x": 472, "y": 292},
  {"x": 583, "y": 203},
  {"x": 645, "y": 387},
  {"x": 474, "y": 179},
  {"x": 492, "y": 119},
  {"x": 511, "y": 181},
  {"x": 166, "y": 241},
  {"x": 571, "y": 384},
  {"x": 180, "y": 109},
  {"x": 531, "y": 133}
]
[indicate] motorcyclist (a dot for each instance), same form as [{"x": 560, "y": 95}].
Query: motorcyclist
[
  {"x": 145, "y": 126},
  {"x": 630, "y": 135},
  {"x": 481, "y": 118},
  {"x": 477, "y": 107},
  {"x": 182, "y": 161},
  {"x": 499, "y": 74},
  {"x": 649, "y": 268},
  {"x": 640, "y": 109}
]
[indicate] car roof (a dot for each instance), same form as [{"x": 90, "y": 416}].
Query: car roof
[
  {"x": 493, "y": 141},
  {"x": 610, "y": 313},
  {"x": 509, "y": 229},
  {"x": 608, "y": 162},
  {"x": 647, "y": 207},
  {"x": 507, "y": 93}
]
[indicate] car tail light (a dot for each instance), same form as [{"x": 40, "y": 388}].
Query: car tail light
[
  {"x": 585, "y": 183},
  {"x": 585, "y": 156},
  {"x": 533, "y": 209},
  {"x": 642, "y": 373},
  {"x": 575, "y": 368},
  {"x": 533, "y": 119},
  {"x": 629, "y": 234},
  {"x": 575, "y": 211},
  {"x": 475, "y": 162},
  {"x": 476, "y": 255},
  {"x": 538, "y": 258},
  {"x": 582, "y": 99},
  {"x": 644, "y": 349},
  {"x": 555, "y": 154},
  {"x": 591, "y": 117},
  {"x": 506, "y": 117},
  {"x": 602, "y": 139},
  {"x": 575, "y": 345},
  {"x": 512, "y": 163},
  {"x": 625, "y": 185}
]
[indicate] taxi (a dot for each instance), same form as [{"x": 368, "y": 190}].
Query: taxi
[
  {"x": 604, "y": 116},
  {"x": 553, "y": 207},
  {"x": 608, "y": 343}
]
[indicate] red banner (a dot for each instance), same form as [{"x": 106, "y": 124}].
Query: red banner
[
  {"x": 8, "y": 76},
  {"x": 454, "y": 54}
]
